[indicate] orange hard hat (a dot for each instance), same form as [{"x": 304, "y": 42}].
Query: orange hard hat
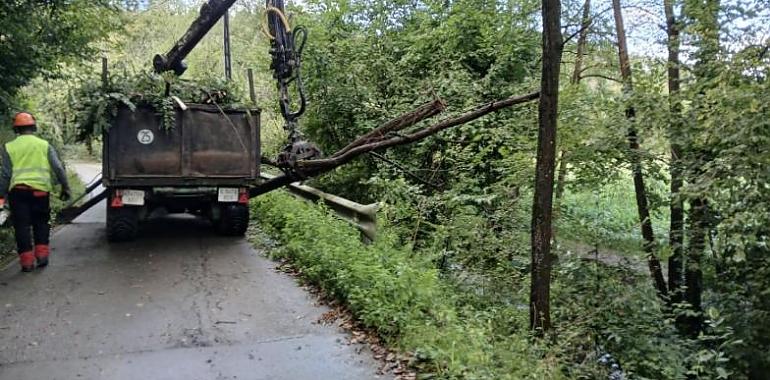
[{"x": 23, "y": 119}]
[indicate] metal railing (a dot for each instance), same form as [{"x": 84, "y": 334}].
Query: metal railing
[{"x": 363, "y": 217}]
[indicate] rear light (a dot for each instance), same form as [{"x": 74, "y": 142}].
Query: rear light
[
  {"x": 117, "y": 199},
  {"x": 243, "y": 196}
]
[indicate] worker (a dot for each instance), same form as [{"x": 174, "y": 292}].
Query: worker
[{"x": 30, "y": 166}]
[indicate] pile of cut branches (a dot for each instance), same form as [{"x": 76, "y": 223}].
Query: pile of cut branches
[{"x": 95, "y": 103}]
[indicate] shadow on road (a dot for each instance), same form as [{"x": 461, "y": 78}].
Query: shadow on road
[{"x": 176, "y": 226}]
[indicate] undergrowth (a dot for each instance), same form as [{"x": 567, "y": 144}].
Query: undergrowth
[
  {"x": 459, "y": 323},
  {"x": 400, "y": 296},
  {"x": 607, "y": 216}
]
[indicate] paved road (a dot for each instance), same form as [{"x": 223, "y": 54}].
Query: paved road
[{"x": 179, "y": 303}]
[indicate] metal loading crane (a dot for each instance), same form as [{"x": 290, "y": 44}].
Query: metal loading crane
[{"x": 286, "y": 46}]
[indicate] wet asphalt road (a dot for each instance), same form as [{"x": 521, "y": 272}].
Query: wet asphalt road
[{"x": 179, "y": 303}]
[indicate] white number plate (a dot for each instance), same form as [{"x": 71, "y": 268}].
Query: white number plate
[
  {"x": 133, "y": 197},
  {"x": 228, "y": 194}
]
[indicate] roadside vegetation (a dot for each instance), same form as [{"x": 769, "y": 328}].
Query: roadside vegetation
[{"x": 659, "y": 162}]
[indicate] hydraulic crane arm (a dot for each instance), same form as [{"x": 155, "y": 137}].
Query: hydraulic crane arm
[
  {"x": 286, "y": 44},
  {"x": 210, "y": 14},
  {"x": 286, "y": 51}
]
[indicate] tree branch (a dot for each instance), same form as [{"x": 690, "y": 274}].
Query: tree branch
[
  {"x": 404, "y": 170},
  {"x": 600, "y": 76},
  {"x": 423, "y": 112},
  {"x": 311, "y": 168},
  {"x": 343, "y": 158}
]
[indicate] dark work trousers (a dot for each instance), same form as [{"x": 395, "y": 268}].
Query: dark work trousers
[{"x": 30, "y": 210}]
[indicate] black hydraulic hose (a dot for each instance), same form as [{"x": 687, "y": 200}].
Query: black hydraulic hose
[{"x": 301, "y": 31}]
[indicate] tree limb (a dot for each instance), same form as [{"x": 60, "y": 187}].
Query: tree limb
[
  {"x": 600, "y": 76},
  {"x": 343, "y": 158},
  {"x": 423, "y": 112},
  {"x": 311, "y": 168}
]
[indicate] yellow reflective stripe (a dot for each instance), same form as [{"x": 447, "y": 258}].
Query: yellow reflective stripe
[
  {"x": 29, "y": 170},
  {"x": 28, "y": 178}
]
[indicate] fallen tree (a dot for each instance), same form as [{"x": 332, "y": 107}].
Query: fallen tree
[{"x": 387, "y": 136}]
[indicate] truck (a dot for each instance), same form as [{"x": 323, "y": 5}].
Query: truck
[{"x": 204, "y": 165}]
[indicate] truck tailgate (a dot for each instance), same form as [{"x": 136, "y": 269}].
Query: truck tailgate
[{"x": 207, "y": 145}]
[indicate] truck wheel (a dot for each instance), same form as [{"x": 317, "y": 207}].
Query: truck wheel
[
  {"x": 122, "y": 223},
  {"x": 234, "y": 220}
]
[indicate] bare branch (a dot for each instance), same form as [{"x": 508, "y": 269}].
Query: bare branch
[
  {"x": 423, "y": 112},
  {"x": 404, "y": 170},
  {"x": 343, "y": 158},
  {"x": 600, "y": 76}
]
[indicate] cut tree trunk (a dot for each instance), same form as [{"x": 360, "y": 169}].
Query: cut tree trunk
[
  {"x": 367, "y": 145},
  {"x": 636, "y": 165},
  {"x": 542, "y": 207}
]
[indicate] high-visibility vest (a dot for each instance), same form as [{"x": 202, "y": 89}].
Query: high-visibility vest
[{"x": 29, "y": 162}]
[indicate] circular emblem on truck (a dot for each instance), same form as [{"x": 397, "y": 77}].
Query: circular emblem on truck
[{"x": 145, "y": 136}]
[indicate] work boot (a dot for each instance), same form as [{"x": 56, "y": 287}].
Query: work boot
[
  {"x": 27, "y": 260},
  {"x": 41, "y": 253}
]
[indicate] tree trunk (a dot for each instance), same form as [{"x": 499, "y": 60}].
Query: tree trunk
[
  {"x": 582, "y": 42},
  {"x": 693, "y": 273},
  {"x": 539, "y": 303},
  {"x": 636, "y": 165},
  {"x": 560, "y": 181},
  {"x": 676, "y": 207},
  {"x": 704, "y": 17},
  {"x": 563, "y": 163}
]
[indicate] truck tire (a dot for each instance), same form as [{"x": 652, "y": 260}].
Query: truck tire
[
  {"x": 234, "y": 220},
  {"x": 122, "y": 223}
]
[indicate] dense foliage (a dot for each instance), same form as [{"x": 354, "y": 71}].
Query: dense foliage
[
  {"x": 39, "y": 37},
  {"x": 397, "y": 294}
]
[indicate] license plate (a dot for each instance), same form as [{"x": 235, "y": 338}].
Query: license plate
[
  {"x": 133, "y": 197},
  {"x": 228, "y": 194}
]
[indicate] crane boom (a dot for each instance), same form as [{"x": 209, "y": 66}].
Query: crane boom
[
  {"x": 286, "y": 45},
  {"x": 210, "y": 13}
]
